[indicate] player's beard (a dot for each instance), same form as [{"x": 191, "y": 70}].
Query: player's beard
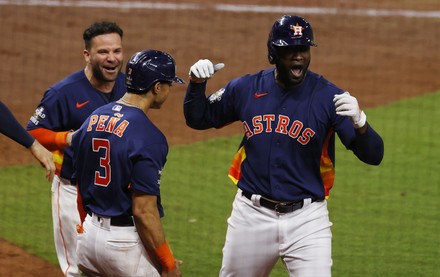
[{"x": 286, "y": 77}]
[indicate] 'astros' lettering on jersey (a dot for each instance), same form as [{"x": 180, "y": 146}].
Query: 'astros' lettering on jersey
[{"x": 264, "y": 123}]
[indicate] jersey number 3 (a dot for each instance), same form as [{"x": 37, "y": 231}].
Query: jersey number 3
[{"x": 102, "y": 178}]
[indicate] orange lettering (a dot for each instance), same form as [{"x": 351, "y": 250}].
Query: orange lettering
[
  {"x": 92, "y": 121},
  {"x": 119, "y": 131},
  {"x": 101, "y": 123}
]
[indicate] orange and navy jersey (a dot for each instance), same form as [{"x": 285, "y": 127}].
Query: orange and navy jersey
[
  {"x": 287, "y": 152},
  {"x": 327, "y": 168},
  {"x": 63, "y": 108}
]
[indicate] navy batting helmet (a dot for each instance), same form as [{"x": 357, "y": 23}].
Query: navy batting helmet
[
  {"x": 148, "y": 67},
  {"x": 289, "y": 30}
]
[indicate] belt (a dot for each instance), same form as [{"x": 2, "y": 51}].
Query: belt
[
  {"x": 120, "y": 221},
  {"x": 278, "y": 206}
]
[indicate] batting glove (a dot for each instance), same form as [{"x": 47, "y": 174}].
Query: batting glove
[
  {"x": 204, "y": 69},
  {"x": 347, "y": 105}
]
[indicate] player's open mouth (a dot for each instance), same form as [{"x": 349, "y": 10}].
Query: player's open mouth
[
  {"x": 297, "y": 71},
  {"x": 110, "y": 69}
]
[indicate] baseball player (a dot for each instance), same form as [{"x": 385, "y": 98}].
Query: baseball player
[
  {"x": 64, "y": 107},
  {"x": 119, "y": 155},
  {"x": 284, "y": 166},
  {"x": 11, "y": 128}
]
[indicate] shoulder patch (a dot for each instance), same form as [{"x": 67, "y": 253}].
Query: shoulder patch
[
  {"x": 216, "y": 96},
  {"x": 38, "y": 116}
]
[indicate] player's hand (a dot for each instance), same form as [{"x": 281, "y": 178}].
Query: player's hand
[
  {"x": 69, "y": 138},
  {"x": 176, "y": 271},
  {"x": 203, "y": 69},
  {"x": 45, "y": 158},
  {"x": 347, "y": 105}
]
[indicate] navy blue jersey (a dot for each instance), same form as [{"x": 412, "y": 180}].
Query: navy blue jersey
[
  {"x": 116, "y": 150},
  {"x": 66, "y": 105},
  {"x": 287, "y": 152}
]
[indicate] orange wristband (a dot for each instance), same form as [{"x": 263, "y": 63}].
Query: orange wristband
[{"x": 166, "y": 257}]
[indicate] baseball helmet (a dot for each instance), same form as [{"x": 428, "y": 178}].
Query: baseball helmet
[
  {"x": 148, "y": 67},
  {"x": 289, "y": 30}
]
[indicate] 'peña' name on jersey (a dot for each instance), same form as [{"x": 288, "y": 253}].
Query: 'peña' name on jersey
[{"x": 109, "y": 124}]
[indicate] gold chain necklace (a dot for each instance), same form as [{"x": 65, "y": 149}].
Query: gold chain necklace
[{"x": 130, "y": 104}]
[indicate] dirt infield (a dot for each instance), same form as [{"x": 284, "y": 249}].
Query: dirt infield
[{"x": 379, "y": 59}]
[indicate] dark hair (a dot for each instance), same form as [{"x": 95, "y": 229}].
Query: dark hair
[{"x": 100, "y": 28}]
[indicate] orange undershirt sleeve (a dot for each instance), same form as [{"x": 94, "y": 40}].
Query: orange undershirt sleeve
[{"x": 50, "y": 139}]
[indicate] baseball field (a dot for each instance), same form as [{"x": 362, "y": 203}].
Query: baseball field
[{"x": 386, "y": 219}]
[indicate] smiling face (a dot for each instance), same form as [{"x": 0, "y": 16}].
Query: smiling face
[
  {"x": 292, "y": 65},
  {"x": 104, "y": 60}
]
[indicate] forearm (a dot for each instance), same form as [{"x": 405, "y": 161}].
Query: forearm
[
  {"x": 11, "y": 128},
  {"x": 195, "y": 107},
  {"x": 50, "y": 139},
  {"x": 368, "y": 146},
  {"x": 150, "y": 230}
]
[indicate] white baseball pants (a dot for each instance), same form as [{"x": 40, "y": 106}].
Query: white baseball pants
[
  {"x": 105, "y": 250},
  {"x": 65, "y": 217},
  {"x": 257, "y": 237}
]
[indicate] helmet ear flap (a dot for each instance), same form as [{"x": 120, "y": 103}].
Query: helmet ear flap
[{"x": 272, "y": 54}]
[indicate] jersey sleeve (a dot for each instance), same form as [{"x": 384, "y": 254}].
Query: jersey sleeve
[
  {"x": 52, "y": 112},
  {"x": 214, "y": 111},
  {"x": 147, "y": 170},
  {"x": 11, "y": 128},
  {"x": 368, "y": 147}
]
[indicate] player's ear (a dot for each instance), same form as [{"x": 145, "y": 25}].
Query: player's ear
[
  {"x": 86, "y": 55},
  {"x": 156, "y": 88}
]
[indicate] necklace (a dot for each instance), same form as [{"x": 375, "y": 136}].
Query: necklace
[{"x": 130, "y": 104}]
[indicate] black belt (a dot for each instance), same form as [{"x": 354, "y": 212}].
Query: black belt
[
  {"x": 279, "y": 207},
  {"x": 120, "y": 221}
]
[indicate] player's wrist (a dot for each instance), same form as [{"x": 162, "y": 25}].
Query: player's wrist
[
  {"x": 61, "y": 140},
  {"x": 360, "y": 121},
  {"x": 196, "y": 80},
  {"x": 165, "y": 256}
]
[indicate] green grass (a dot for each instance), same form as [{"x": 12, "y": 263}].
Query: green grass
[
  {"x": 25, "y": 210},
  {"x": 386, "y": 218}
]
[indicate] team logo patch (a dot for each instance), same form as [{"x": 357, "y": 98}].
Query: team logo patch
[
  {"x": 117, "y": 108},
  {"x": 297, "y": 30},
  {"x": 38, "y": 116},
  {"x": 216, "y": 96}
]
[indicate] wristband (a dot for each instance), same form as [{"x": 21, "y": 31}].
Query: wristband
[{"x": 166, "y": 257}]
